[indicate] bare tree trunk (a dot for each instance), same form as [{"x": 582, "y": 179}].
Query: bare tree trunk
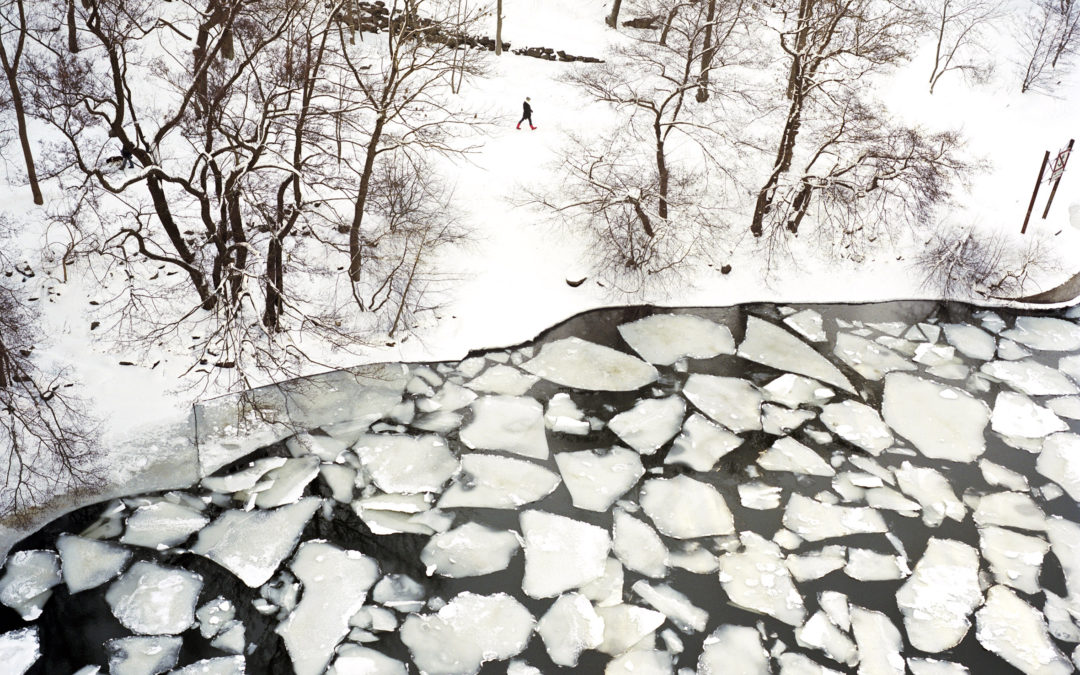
[
  {"x": 72, "y": 37},
  {"x": 784, "y": 154},
  {"x": 806, "y": 8},
  {"x": 361, "y": 199},
  {"x": 706, "y": 55},
  {"x": 613, "y": 18},
  {"x": 161, "y": 206},
  {"x": 11, "y": 70},
  {"x": 498, "y": 27}
]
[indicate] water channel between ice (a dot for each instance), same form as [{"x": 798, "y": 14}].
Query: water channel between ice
[{"x": 880, "y": 488}]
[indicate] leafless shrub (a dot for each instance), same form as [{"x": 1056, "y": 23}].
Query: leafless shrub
[
  {"x": 960, "y": 32},
  {"x": 963, "y": 263},
  {"x": 1049, "y": 38}
]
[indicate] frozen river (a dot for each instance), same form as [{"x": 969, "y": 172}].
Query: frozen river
[{"x": 876, "y": 489}]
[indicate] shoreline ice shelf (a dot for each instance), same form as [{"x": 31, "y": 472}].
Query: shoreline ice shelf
[{"x": 871, "y": 489}]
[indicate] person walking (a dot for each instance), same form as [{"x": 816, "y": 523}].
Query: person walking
[
  {"x": 526, "y": 113},
  {"x": 125, "y": 157}
]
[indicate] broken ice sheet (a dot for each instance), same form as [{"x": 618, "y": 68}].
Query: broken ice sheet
[
  {"x": 597, "y": 478},
  {"x": 468, "y": 631},
  {"x": 684, "y": 508},
  {"x": 858, "y": 424},
  {"x": 637, "y": 546},
  {"x": 999, "y": 476},
  {"x": 88, "y": 563},
  {"x": 139, "y": 655},
  {"x": 920, "y": 666},
  {"x": 640, "y": 662},
  {"x": 1015, "y": 559},
  {"x": 941, "y": 422},
  {"x": 773, "y": 346},
  {"x": 500, "y": 379},
  {"x": 808, "y": 324},
  {"x": 1017, "y": 415},
  {"x": 1009, "y": 509},
  {"x": 868, "y": 358},
  {"x": 573, "y": 362},
  {"x": 28, "y": 576},
  {"x": 816, "y": 564},
  {"x": 564, "y": 416},
  {"x": 651, "y": 423},
  {"x": 663, "y": 339},
  {"x": 625, "y": 626},
  {"x": 940, "y": 595},
  {"x": 792, "y": 663},
  {"x": 155, "y": 600},
  {"x": 496, "y": 482},
  {"x": 335, "y": 583},
  {"x": 756, "y": 579},
  {"x": 795, "y": 390},
  {"x": 1016, "y": 631},
  {"x": 686, "y": 616},
  {"x": 735, "y": 403},
  {"x": 820, "y": 633},
  {"x": 511, "y": 423},
  {"x": 1060, "y": 462},
  {"x": 287, "y": 483},
  {"x": 815, "y": 521},
  {"x": 162, "y": 525},
  {"x": 354, "y": 659},
  {"x": 1045, "y": 333},
  {"x": 1030, "y": 377},
  {"x": 879, "y": 643},
  {"x": 971, "y": 341},
  {"x": 733, "y": 649},
  {"x": 569, "y": 627},
  {"x": 932, "y": 491},
  {"x": 779, "y": 420},
  {"x": 787, "y": 454},
  {"x": 406, "y": 464},
  {"x": 866, "y": 565},
  {"x": 759, "y": 496},
  {"x": 701, "y": 444},
  {"x": 243, "y": 479},
  {"x": 560, "y": 553},
  {"x": 468, "y": 551}
]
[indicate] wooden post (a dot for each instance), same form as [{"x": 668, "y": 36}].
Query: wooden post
[
  {"x": 1060, "y": 172},
  {"x": 1038, "y": 182}
]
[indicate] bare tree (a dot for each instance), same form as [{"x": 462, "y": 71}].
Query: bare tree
[
  {"x": 1049, "y": 37},
  {"x": 960, "y": 28},
  {"x": 965, "y": 263},
  {"x": 13, "y": 34}
]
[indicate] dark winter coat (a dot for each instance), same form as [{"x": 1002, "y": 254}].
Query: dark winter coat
[{"x": 526, "y": 109}]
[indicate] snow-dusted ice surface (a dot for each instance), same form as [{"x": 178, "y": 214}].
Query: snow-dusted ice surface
[
  {"x": 19, "y": 650},
  {"x": 840, "y": 494}
]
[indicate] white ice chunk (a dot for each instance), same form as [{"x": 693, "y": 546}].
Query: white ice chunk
[
  {"x": 494, "y": 482},
  {"x": 733, "y": 402},
  {"x": 222, "y": 665},
  {"x": 1009, "y": 509},
  {"x": 808, "y": 324},
  {"x": 162, "y": 525},
  {"x": 792, "y": 663},
  {"x": 795, "y": 390},
  {"x": 637, "y": 546},
  {"x": 288, "y": 482},
  {"x": 142, "y": 655},
  {"x": 815, "y": 521},
  {"x": 511, "y": 423},
  {"x": 357, "y": 660},
  {"x": 779, "y": 420},
  {"x": 650, "y": 423},
  {"x": 1015, "y": 559},
  {"x": 940, "y": 595},
  {"x": 998, "y": 476},
  {"x": 468, "y": 631},
  {"x": 1060, "y": 462},
  {"x": 1065, "y": 406},
  {"x": 27, "y": 579},
  {"x": 816, "y": 564},
  {"x": 868, "y": 358},
  {"x": 733, "y": 649},
  {"x": 836, "y": 608},
  {"x": 971, "y": 341},
  {"x": 1045, "y": 333},
  {"x": 400, "y": 592},
  {"x": 563, "y": 416},
  {"x": 406, "y": 464},
  {"x": 756, "y": 579},
  {"x": 251, "y": 544},
  {"x": 454, "y": 396},
  {"x": 787, "y": 454},
  {"x": 866, "y": 565},
  {"x": 990, "y": 321},
  {"x": 1016, "y": 631},
  {"x": 701, "y": 444},
  {"x": 686, "y": 616},
  {"x": 1030, "y": 377},
  {"x": 244, "y": 479},
  {"x": 469, "y": 551},
  {"x": 858, "y": 424},
  {"x": 335, "y": 583},
  {"x": 1011, "y": 351},
  {"x": 1017, "y": 415},
  {"x": 214, "y": 615},
  {"x": 888, "y": 499},
  {"x": 685, "y": 508},
  {"x": 820, "y": 633},
  {"x": 606, "y": 590},
  {"x": 625, "y": 626},
  {"x": 773, "y": 346},
  {"x": 20, "y": 649},
  {"x": 569, "y": 627},
  {"x": 596, "y": 479},
  {"x": 155, "y": 600},
  {"x": 932, "y": 491},
  {"x": 326, "y": 448},
  {"x": 560, "y": 553},
  {"x": 500, "y": 379},
  {"x": 942, "y": 422},
  {"x": 1059, "y": 619},
  {"x": 640, "y": 662},
  {"x": 1065, "y": 543},
  {"x": 341, "y": 479},
  {"x": 573, "y": 362},
  {"x": 759, "y": 496},
  {"x": 663, "y": 339},
  {"x": 879, "y": 643},
  {"x": 920, "y": 666}
]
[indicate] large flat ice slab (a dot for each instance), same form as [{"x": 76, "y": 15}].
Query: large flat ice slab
[
  {"x": 155, "y": 600},
  {"x": 685, "y": 508},
  {"x": 941, "y": 422},
  {"x": 815, "y": 521},
  {"x": 511, "y": 423},
  {"x": 495, "y": 482},
  {"x": 561, "y": 553},
  {"x": 596, "y": 479},
  {"x": 573, "y": 362},
  {"x": 663, "y": 339},
  {"x": 1016, "y": 631},
  {"x": 940, "y": 595},
  {"x": 773, "y": 346},
  {"x": 731, "y": 401},
  {"x": 757, "y": 579},
  {"x": 406, "y": 464}
]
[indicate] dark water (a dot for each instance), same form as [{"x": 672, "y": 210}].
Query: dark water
[{"x": 74, "y": 628}]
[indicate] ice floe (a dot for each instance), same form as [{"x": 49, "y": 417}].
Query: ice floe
[
  {"x": 142, "y": 655},
  {"x": 868, "y": 358},
  {"x": 731, "y": 401},
  {"x": 569, "y": 627},
  {"x": 1009, "y": 509},
  {"x": 932, "y": 491},
  {"x": 1016, "y": 631},
  {"x": 757, "y": 579},
  {"x": 28, "y": 578},
  {"x": 1015, "y": 559},
  {"x": 511, "y": 423},
  {"x": 155, "y": 600},
  {"x": 866, "y": 565},
  {"x": 468, "y": 551},
  {"x": 685, "y": 508},
  {"x": 495, "y": 482},
  {"x": 808, "y": 324},
  {"x": 1060, "y": 462},
  {"x": 637, "y": 546},
  {"x": 971, "y": 341},
  {"x": 814, "y": 521},
  {"x": 626, "y": 626},
  {"x": 650, "y": 424},
  {"x": 1045, "y": 333},
  {"x": 701, "y": 444},
  {"x": 20, "y": 649},
  {"x": 1017, "y": 415},
  {"x": 940, "y": 595},
  {"x": 1030, "y": 377},
  {"x": 596, "y": 479},
  {"x": 787, "y": 454},
  {"x": 560, "y": 553},
  {"x": 686, "y": 616},
  {"x": 498, "y": 379},
  {"x": 735, "y": 649},
  {"x": 663, "y": 339},
  {"x": 879, "y": 643},
  {"x": 819, "y": 633},
  {"x": 759, "y": 496},
  {"x": 573, "y": 362},
  {"x": 858, "y": 424},
  {"x": 773, "y": 346},
  {"x": 162, "y": 525},
  {"x": 816, "y": 564},
  {"x": 941, "y": 422}
]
